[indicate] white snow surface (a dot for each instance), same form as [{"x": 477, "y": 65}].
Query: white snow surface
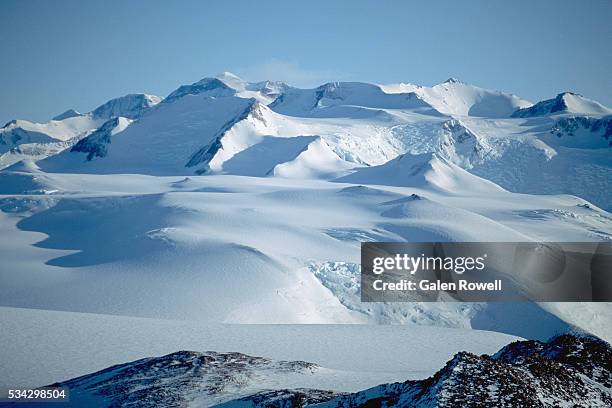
[
  {"x": 42, "y": 347},
  {"x": 233, "y": 202},
  {"x": 453, "y": 97},
  {"x": 243, "y": 249}
]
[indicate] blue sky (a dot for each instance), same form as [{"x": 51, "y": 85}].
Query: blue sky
[{"x": 57, "y": 55}]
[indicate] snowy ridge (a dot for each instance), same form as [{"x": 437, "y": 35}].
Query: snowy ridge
[
  {"x": 95, "y": 144},
  {"x": 24, "y": 140},
  {"x": 205, "y": 219},
  {"x": 453, "y": 97},
  {"x": 157, "y": 142},
  {"x": 363, "y": 124},
  {"x": 428, "y": 170},
  {"x": 567, "y": 370},
  {"x": 70, "y": 113},
  {"x": 566, "y": 102},
  {"x": 265, "y": 92},
  {"x": 321, "y": 101},
  {"x": 129, "y": 106},
  {"x": 204, "y": 156},
  {"x": 184, "y": 378},
  {"x": 528, "y": 378},
  {"x": 212, "y": 87}
]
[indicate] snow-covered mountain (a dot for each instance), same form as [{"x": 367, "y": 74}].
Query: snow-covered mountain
[
  {"x": 395, "y": 161},
  {"x": 354, "y": 97},
  {"x": 572, "y": 370},
  {"x": 25, "y": 140},
  {"x": 96, "y": 143},
  {"x": 566, "y": 102},
  {"x": 427, "y": 170},
  {"x": 453, "y": 97},
  {"x": 568, "y": 370},
  {"x": 199, "y": 127},
  {"x": 186, "y": 378},
  {"x": 399, "y": 162},
  {"x": 129, "y": 106},
  {"x": 237, "y": 202},
  {"x": 265, "y": 91}
]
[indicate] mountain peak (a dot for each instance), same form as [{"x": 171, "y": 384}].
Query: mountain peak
[
  {"x": 129, "y": 106},
  {"x": 232, "y": 80},
  {"x": 228, "y": 75},
  {"x": 210, "y": 86},
  {"x": 70, "y": 113},
  {"x": 567, "y": 93},
  {"x": 564, "y": 102},
  {"x": 452, "y": 80},
  {"x": 211, "y": 83}
]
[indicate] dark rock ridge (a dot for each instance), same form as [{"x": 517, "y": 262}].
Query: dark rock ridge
[
  {"x": 559, "y": 104},
  {"x": 210, "y": 86},
  {"x": 206, "y": 153},
  {"x": 570, "y": 126},
  {"x": 299, "y": 397},
  {"x": 569, "y": 370},
  {"x": 70, "y": 113},
  {"x": 176, "y": 379},
  {"x": 96, "y": 144}
]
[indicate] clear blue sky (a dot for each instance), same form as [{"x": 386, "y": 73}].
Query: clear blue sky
[{"x": 56, "y": 55}]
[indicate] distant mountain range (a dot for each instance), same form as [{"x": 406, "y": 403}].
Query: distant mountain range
[{"x": 231, "y": 126}]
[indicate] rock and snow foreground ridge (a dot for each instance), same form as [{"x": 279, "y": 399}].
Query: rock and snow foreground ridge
[{"x": 568, "y": 370}]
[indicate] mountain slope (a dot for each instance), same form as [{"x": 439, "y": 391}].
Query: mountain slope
[
  {"x": 184, "y": 378},
  {"x": 96, "y": 143},
  {"x": 322, "y": 101},
  {"x": 455, "y": 98},
  {"x": 24, "y": 140},
  {"x": 129, "y": 106},
  {"x": 428, "y": 170},
  {"x": 568, "y": 370},
  {"x": 264, "y": 92},
  {"x": 566, "y": 102},
  {"x": 362, "y": 124},
  {"x": 158, "y": 143}
]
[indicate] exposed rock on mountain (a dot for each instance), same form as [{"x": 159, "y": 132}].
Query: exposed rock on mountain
[
  {"x": 566, "y": 102},
  {"x": 569, "y": 370}
]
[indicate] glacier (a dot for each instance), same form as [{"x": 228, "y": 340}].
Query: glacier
[{"x": 230, "y": 203}]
